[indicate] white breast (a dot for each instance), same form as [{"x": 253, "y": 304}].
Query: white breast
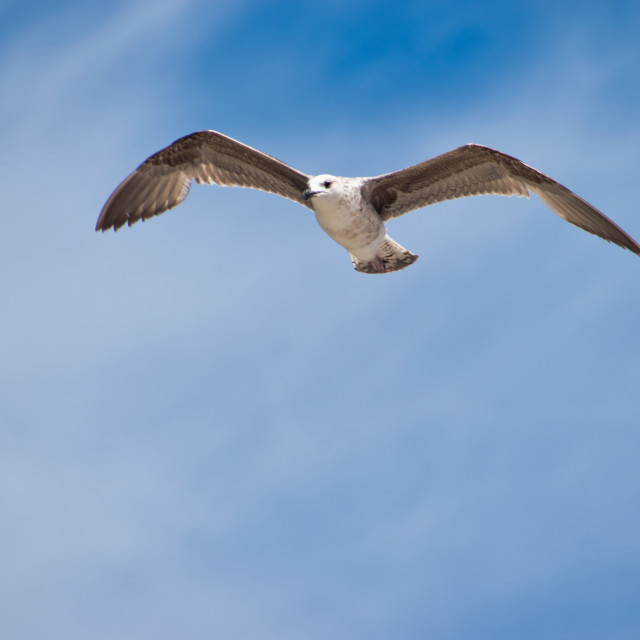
[
  {"x": 352, "y": 223},
  {"x": 337, "y": 218}
]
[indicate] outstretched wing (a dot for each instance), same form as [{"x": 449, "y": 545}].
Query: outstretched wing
[
  {"x": 163, "y": 181},
  {"x": 474, "y": 170}
]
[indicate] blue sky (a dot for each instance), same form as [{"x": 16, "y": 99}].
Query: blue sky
[{"x": 212, "y": 426}]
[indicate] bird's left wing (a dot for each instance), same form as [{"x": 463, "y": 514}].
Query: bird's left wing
[
  {"x": 474, "y": 170},
  {"x": 163, "y": 180}
]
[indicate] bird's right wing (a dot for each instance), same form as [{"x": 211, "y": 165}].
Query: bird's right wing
[
  {"x": 163, "y": 180},
  {"x": 474, "y": 170}
]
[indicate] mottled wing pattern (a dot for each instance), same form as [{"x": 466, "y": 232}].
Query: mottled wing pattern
[
  {"x": 474, "y": 170},
  {"x": 163, "y": 180}
]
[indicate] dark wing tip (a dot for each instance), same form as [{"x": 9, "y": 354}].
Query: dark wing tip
[
  {"x": 147, "y": 192},
  {"x": 577, "y": 211}
]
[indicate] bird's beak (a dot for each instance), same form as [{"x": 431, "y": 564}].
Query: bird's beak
[{"x": 307, "y": 193}]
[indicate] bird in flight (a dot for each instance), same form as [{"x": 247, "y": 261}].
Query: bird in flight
[{"x": 350, "y": 210}]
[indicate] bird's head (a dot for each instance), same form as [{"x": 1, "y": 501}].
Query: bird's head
[{"x": 322, "y": 186}]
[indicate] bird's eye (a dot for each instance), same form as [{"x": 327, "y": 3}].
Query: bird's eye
[{"x": 327, "y": 184}]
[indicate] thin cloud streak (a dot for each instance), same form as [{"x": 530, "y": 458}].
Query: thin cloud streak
[{"x": 261, "y": 448}]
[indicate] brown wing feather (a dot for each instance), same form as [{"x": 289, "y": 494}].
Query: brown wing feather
[
  {"x": 474, "y": 170},
  {"x": 163, "y": 180}
]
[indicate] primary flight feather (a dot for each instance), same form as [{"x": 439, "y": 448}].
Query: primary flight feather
[{"x": 351, "y": 210}]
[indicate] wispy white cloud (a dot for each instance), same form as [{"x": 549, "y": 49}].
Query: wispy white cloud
[{"x": 262, "y": 445}]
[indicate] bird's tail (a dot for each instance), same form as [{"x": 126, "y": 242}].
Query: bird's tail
[{"x": 390, "y": 256}]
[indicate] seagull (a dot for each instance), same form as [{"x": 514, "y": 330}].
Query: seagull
[{"x": 352, "y": 211}]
